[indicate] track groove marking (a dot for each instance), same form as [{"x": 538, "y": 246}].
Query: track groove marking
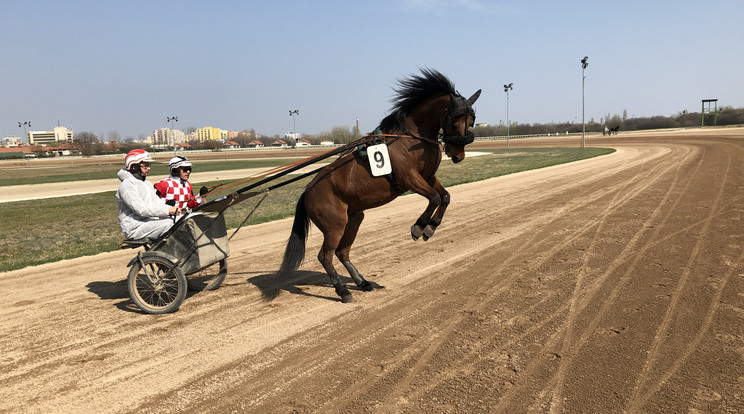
[
  {"x": 572, "y": 345},
  {"x": 636, "y": 400},
  {"x": 636, "y": 192}
]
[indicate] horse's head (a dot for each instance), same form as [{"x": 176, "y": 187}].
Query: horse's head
[{"x": 458, "y": 118}]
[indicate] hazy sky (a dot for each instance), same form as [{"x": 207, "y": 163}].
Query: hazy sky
[{"x": 125, "y": 66}]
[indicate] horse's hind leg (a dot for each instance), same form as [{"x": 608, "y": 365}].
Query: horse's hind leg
[
  {"x": 325, "y": 256},
  {"x": 332, "y": 223},
  {"x": 344, "y": 247}
]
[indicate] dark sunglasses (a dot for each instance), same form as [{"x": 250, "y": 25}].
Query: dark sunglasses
[{"x": 186, "y": 169}]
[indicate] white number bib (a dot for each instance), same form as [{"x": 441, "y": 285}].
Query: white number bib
[{"x": 379, "y": 160}]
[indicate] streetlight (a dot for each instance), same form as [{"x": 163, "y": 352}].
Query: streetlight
[
  {"x": 24, "y": 125},
  {"x": 292, "y": 114},
  {"x": 171, "y": 133},
  {"x": 584, "y": 64},
  {"x": 506, "y": 89}
]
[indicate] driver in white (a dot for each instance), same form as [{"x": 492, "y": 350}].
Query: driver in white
[{"x": 141, "y": 212}]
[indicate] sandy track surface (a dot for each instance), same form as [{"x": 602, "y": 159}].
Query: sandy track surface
[{"x": 614, "y": 284}]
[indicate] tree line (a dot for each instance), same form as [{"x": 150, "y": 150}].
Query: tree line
[{"x": 726, "y": 116}]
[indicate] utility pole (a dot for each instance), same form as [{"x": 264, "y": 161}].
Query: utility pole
[
  {"x": 506, "y": 89},
  {"x": 584, "y": 64},
  {"x": 171, "y": 133},
  {"x": 293, "y": 113}
]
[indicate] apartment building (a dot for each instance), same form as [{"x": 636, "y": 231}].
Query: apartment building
[
  {"x": 59, "y": 134},
  {"x": 167, "y": 136}
]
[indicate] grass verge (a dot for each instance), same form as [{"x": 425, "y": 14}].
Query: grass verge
[{"x": 49, "y": 230}]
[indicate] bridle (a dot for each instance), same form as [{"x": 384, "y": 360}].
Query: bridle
[{"x": 458, "y": 106}]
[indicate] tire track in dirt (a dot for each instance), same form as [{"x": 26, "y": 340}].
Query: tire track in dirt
[
  {"x": 640, "y": 183},
  {"x": 581, "y": 299},
  {"x": 696, "y": 340},
  {"x": 636, "y": 399}
]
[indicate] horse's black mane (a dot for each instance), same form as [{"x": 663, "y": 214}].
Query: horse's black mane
[{"x": 412, "y": 91}]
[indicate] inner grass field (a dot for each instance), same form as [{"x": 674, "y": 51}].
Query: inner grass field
[{"x": 53, "y": 229}]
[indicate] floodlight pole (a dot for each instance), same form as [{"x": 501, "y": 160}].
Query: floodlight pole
[
  {"x": 584, "y": 64},
  {"x": 171, "y": 119},
  {"x": 292, "y": 114},
  {"x": 24, "y": 125},
  {"x": 506, "y": 89},
  {"x": 25, "y": 133}
]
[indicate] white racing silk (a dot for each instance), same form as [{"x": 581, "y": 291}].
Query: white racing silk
[{"x": 141, "y": 212}]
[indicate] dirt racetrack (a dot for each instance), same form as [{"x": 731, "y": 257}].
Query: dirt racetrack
[{"x": 614, "y": 284}]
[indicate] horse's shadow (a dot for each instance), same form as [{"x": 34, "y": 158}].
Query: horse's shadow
[{"x": 272, "y": 284}]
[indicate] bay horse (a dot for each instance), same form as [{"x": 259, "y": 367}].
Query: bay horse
[{"x": 426, "y": 109}]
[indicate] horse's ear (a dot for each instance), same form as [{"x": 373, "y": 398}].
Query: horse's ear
[
  {"x": 453, "y": 101},
  {"x": 474, "y": 98}
]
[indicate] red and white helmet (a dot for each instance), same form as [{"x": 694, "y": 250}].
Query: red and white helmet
[{"x": 136, "y": 156}]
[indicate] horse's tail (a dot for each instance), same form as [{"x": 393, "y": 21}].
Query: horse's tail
[{"x": 294, "y": 254}]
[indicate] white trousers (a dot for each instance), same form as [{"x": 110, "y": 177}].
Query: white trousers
[{"x": 151, "y": 228}]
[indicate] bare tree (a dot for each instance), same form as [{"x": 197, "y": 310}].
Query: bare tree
[
  {"x": 114, "y": 136},
  {"x": 86, "y": 142}
]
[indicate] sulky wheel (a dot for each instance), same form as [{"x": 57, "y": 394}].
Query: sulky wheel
[
  {"x": 158, "y": 287},
  {"x": 209, "y": 278}
]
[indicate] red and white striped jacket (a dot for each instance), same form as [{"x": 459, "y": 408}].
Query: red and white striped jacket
[{"x": 173, "y": 188}]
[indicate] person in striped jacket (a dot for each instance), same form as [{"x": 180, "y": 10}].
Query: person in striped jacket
[{"x": 176, "y": 189}]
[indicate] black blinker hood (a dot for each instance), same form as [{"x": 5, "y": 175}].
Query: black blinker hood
[{"x": 468, "y": 138}]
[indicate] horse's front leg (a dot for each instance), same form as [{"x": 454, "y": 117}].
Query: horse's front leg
[
  {"x": 421, "y": 187},
  {"x": 436, "y": 220},
  {"x": 325, "y": 256}
]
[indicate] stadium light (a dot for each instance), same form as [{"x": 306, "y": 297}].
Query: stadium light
[
  {"x": 172, "y": 119},
  {"x": 293, "y": 113},
  {"x": 506, "y": 89},
  {"x": 584, "y": 64},
  {"x": 24, "y": 125}
]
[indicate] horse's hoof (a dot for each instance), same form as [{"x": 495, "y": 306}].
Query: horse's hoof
[
  {"x": 428, "y": 232},
  {"x": 344, "y": 294},
  {"x": 416, "y": 231},
  {"x": 367, "y": 287}
]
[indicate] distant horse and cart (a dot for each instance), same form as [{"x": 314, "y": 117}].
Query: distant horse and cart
[
  {"x": 403, "y": 154},
  {"x": 611, "y": 131}
]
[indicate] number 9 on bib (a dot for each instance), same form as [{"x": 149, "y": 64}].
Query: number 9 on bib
[{"x": 379, "y": 160}]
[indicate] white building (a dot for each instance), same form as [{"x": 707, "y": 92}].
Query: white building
[
  {"x": 11, "y": 141},
  {"x": 167, "y": 137},
  {"x": 59, "y": 134}
]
